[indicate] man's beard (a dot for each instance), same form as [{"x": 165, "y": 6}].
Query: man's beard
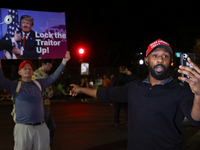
[{"x": 157, "y": 75}]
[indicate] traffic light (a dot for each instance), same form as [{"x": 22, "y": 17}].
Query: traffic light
[{"x": 81, "y": 51}]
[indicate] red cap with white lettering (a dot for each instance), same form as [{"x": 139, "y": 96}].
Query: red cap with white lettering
[{"x": 159, "y": 43}]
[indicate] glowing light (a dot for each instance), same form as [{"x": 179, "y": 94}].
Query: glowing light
[
  {"x": 81, "y": 51},
  {"x": 141, "y": 61}
]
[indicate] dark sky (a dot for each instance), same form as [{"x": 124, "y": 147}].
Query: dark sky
[
  {"x": 136, "y": 24},
  {"x": 128, "y": 26},
  {"x": 125, "y": 26}
]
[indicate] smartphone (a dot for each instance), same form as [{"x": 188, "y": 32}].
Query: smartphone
[{"x": 184, "y": 62}]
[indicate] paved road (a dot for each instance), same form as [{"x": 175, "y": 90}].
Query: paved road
[{"x": 87, "y": 126}]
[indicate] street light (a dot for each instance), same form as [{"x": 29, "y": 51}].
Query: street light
[{"x": 141, "y": 62}]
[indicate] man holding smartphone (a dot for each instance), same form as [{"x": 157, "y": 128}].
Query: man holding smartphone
[{"x": 158, "y": 104}]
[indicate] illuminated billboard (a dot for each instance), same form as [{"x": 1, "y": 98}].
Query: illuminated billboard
[
  {"x": 84, "y": 68},
  {"x": 26, "y": 34}
]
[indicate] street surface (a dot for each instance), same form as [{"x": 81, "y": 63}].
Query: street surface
[{"x": 86, "y": 126}]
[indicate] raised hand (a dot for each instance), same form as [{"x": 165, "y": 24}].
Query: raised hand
[
  {"x": 67, "y": 58},
  {"x": 194, "y": 74}
]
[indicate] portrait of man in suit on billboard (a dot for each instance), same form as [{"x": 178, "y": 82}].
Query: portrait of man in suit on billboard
[{"x": 27, "y": 49}]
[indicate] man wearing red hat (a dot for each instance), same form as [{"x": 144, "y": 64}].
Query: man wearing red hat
[
  {"x": 158, "y": 104},
  {"x": 30, "y": 132}
]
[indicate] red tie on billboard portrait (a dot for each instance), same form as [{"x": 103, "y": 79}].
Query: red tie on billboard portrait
[{"x": 24, "y": 41}]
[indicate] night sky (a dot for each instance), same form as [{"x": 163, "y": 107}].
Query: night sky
[{"x": 122, "y": 28}]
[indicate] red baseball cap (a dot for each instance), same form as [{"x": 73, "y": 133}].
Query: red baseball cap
[
  {"x": 24, "y": 62},
  {"x": 159, "y": 43}
]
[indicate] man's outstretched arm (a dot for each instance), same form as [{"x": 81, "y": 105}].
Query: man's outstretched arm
[{"x": 88, "y": 91}]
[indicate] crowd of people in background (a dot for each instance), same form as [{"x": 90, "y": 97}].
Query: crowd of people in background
[{"x": 83, "y": 97}]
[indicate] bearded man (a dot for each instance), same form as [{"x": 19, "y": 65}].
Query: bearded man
[{"x": 158, "y": 104}]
